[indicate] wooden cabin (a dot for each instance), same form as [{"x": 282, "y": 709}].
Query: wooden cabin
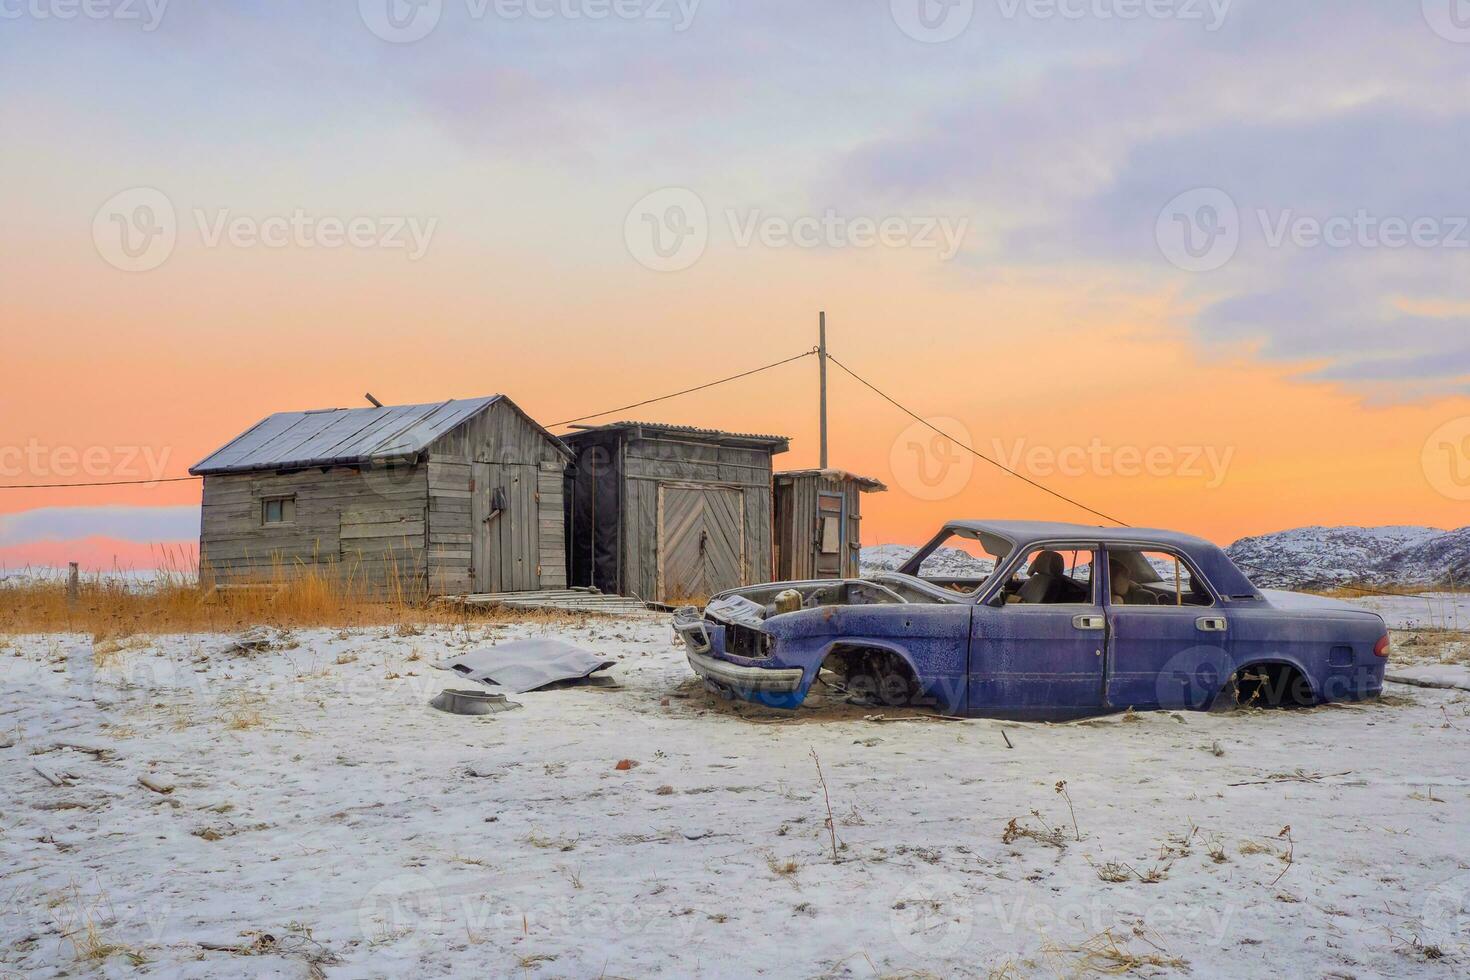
[
  {"x": 440, "y": 499},
  {"x": 818, "y": 531},
  {"x": 670, "y": 513}
]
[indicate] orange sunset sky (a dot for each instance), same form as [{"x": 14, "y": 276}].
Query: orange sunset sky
[{"x": 1323, "y": 381}]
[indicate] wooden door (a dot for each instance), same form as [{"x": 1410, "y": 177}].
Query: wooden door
[
  {"x": 830, "y": 547},
  {"x": 505, "y": 528},
  {"x": 701, "y": 540}
]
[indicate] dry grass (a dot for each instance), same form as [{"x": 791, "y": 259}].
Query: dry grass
[
  {"x": 80, "y": 920},
  {"x": 1109, "y": 955},
  {"x": 783, "y": 869},
  {"x": 242, "y": 712},
  {"x": 290, "y": 596}
]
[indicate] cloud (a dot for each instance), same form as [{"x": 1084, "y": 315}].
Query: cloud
[
  {"x": 1368, "y": 123},
  {"x": 143, "y": 525}
]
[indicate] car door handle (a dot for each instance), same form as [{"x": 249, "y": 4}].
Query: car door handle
[
  {"x": 1211, "y": 624},
  {"x": 1086, "y": 622}
]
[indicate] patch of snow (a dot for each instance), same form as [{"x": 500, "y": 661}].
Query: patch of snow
[{"x": 656, "y": 830}]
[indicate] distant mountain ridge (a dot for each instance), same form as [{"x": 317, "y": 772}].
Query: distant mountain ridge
[{"x": 1303, "y": 557}]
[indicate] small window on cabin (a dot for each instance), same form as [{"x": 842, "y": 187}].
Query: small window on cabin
[
  {"x": 831, "y": 535},
  {"x": 278, "y": 510}
]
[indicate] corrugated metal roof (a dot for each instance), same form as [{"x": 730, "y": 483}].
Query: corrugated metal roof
[
  {"x": 341, "y": 436},
  {"x": 682, "y": 429},
  {"x": 866, "y": 483}
]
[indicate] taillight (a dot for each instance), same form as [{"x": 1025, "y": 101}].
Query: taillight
[{"x": 1383, "y": 647}]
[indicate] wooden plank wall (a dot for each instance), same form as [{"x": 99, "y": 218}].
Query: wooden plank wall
[
  {"x": 368, "y": 527},
  {"x": 659, "y": 458},
  {"x": 797, "y": 528},
  {"x": 535, "y": 535}
]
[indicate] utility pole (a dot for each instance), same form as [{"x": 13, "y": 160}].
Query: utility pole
[{"x": 822, "y": 358}]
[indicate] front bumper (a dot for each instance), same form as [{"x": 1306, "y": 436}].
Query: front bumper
[
  {"x": 746, "y": 681},
  {"x": 705, "y": 648}
]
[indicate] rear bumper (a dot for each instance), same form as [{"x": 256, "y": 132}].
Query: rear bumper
[{"x": 746, "y": 681}]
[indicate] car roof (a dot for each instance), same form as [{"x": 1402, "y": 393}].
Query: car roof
[
  {"x": 1212, "y": 560},
  {"x": 1025, "y": 532}
]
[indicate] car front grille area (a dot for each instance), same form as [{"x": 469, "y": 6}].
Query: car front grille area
[{"x": 742, "y": 641}]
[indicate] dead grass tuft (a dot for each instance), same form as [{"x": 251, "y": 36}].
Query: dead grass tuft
[
  {"x": 1020, "y": 827},
  {"x": 783, "y": 868},
  {"x": 1109, "y": 955}
]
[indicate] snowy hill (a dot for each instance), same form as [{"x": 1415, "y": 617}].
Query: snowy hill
[
  {"x": 944, "y": 563},
  {"x": 1326, "y": 556},
  {"x": 1304, "y": 557}
]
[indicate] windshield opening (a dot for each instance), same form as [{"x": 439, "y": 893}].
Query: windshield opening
[{"x": 959, "y": 560}]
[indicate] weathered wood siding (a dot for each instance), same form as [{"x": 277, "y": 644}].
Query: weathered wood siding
[
  {"x": 659, "y": 459},
  {"x": 368, "y": 527},
  {"x": 798, "y": 528},
  {"x": 520, "y": 549}
]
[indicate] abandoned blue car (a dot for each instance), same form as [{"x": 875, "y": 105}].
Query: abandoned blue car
[{"x": 1022, "y": 620}]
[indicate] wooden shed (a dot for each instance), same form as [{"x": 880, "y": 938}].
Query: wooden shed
[
  {"x": 819, "y": 523},
  {"x": 670, "y": 513},
  {"x": 440, "y": 499}
]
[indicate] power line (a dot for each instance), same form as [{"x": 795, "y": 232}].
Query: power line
[
  {"x": 595, "y": 415},
  {"x": 970, "y": 449},
  {"x": 109, "y": 483},
  {"x": 687, "y": 391}
]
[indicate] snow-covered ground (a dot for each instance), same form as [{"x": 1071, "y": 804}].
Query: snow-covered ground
[{"x": 321, "y": 817}]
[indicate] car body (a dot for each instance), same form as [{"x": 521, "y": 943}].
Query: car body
[{"x": 1019, "y": 641}]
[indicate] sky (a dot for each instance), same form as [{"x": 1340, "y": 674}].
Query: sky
[{"x": 1199, "y": 264}]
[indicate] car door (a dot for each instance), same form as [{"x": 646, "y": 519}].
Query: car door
[
  {"x": 1169, "y": 655},
  {"x": 1040, "y": 660}
]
